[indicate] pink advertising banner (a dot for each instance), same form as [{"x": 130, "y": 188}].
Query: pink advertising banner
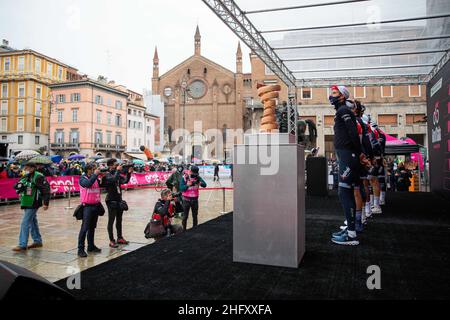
[{"x": 63, "y": 184}]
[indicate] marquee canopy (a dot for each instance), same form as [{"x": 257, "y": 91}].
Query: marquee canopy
[{"x": 363, "y": 42}]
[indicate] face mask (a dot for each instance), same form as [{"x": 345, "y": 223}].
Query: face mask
[
  {"x": 180, "y": 169},
  {"x": 26, "y": 172},
  {"x": 333, "y": 100}
]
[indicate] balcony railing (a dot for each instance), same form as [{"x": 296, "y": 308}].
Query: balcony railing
[
  {"x": 65, "y": 146},
  {"x": 109, "y": 147}
]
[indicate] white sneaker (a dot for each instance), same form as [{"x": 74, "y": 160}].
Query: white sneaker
[
  {"x": 343, "y": 227},
  {"x": 377, "y": 210}
]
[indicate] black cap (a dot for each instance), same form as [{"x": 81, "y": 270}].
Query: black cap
[{"x": 194, "y": 169}]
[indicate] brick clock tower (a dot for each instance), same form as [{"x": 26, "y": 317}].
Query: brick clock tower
[{"x": 199, "y": 89}]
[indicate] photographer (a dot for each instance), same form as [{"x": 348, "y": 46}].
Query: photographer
[
  {"x": 189, "y": 186},
  {"x": 34, "y": 192},
  {"x": 402, "y": 176},
  {"x": 112, "y": 181},
  {"x": 173, "y": 183},
  {"x": 91, "y": 200},
  {"x": 163, "y": 213}
]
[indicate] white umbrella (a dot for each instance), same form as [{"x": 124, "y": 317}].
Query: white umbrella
[{"x": 27, "y": 155}]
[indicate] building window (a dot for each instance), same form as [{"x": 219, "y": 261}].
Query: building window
[
  {"x": 38, "y": 92},
  {"x": 4, "y": 90},
  {"x": 75, "y": 115},
  {"x": 306, "y": 93},
  {"x": 108, "y": 137},
  {"x": 21, "y": 63},
  {"x": 60, "y": 73},
  {"x": 387, "y": 120},
  {"x": 414, "y": 91},
  {"x": 149, "y": 129},
  {"x": 20, "y": 107},
  {"x": 19, "y": 139},
  {"x": 328, "y": 121},
  {"x": 37, "y": 125},
  {"x": 60, "y": 116},
  {"x": 7, "y": 64},
  {"x": 109, "y": 117},
  {"x": 98, "y": 99},
  {"x": 118, "y": 104},
  {"x": 118, "y": 139},
  {"x": 415, "y": 118},
  {"x": 49, "y": 70},
  {"x": 98, "y": 137},
  {"x": 38, "y": 107},
  {"x": 59, "y": 136},
  {"x": 74, "y": 137},
  {"x": 19, "y": 124},
  {"x": 129, "y": 124},
  {"x": 61, "y": 98},
  {"x": 4, "y": 124},
  {"x": 4, "y": 110},
  {"x": 21, "y": 89},
  {"x": 359, "y": 92},
  {"x": 118, "y": 120},
  {"x": 387, "y": 92},
  {"x": 75, "y": 97},
  {"x": 36, "y": 140},
  {"x": 37, "y": 65},
  {"x": 99, "y": 116},
  {"x": 129, "y": 111},
  {"x": 134, "y": 112}
]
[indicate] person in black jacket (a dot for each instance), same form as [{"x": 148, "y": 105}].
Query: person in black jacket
[
  {"x": 349, "y": 152},
  {"x": 34, "y": 191},
  {"x": 112, "y": 182},
  {"x": 402, "y": 176}
]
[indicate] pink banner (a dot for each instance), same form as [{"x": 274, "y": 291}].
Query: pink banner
[{"x": 64, "y": 183}]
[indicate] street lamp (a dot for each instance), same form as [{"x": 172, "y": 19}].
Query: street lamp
[{"x": 185, "y": 89}]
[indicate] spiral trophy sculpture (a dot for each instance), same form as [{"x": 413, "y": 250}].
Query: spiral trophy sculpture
[{"x": 268, "y": 95}]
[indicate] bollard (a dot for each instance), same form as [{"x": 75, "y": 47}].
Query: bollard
[
  {"x": 223, "y": 211},
  {"x": 69, "y": 207}
]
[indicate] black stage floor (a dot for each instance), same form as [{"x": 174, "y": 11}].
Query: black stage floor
[{"x": 410, "y": 242}]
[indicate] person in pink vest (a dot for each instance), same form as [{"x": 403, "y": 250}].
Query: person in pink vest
[
  {"x": 189, "y": 186},
  {"x": 91, "y": 200}
]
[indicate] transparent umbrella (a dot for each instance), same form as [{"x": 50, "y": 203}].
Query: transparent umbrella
[
  {"x": 40, "y": 160},
  {"x": 27, "y": 155}
]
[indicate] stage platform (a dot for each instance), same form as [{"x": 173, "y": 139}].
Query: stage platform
[{"x": 410, "y": 242}]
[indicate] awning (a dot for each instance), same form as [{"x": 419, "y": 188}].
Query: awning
[{"x": 137, "y": 155}]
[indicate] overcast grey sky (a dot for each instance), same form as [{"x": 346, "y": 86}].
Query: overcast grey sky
[{"x": 116, "y": 38}]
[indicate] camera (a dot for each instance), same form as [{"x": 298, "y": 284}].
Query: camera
[{"x": 20, "y": 187}]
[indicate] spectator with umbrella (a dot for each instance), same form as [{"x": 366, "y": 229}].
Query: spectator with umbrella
[{"x": 41, "y": 163}]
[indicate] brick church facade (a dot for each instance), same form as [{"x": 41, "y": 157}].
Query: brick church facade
[{"x": 199, "y": 89}]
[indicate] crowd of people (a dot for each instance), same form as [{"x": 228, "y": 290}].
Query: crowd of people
[
  {"x": 180, "y": 196},
  {"x": 15, "y": 169}
]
